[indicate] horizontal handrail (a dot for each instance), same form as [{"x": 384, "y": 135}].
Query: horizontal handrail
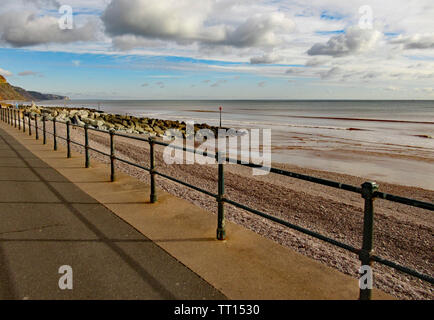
[
  {"x": 369, "y": 192},
  {"x": 407, "y": 201}
]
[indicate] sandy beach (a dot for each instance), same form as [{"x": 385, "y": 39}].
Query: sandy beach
[{"x": 402, "y": 234}]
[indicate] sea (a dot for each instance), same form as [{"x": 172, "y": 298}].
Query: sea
[{"x": 389, "y": 141}]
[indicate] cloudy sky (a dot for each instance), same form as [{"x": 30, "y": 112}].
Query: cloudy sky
[{"x": 220, "y": 49}]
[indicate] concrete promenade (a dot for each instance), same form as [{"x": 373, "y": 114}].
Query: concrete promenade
[
  {"x": 54, "y": 212},
  {"x": 46, "y": 221}
]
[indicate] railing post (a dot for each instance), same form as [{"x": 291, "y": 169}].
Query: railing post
[
  {"x": 44, "y": 130},
  {"x": 54, "y": 134},
  {"x": 36, "y": 127},
  {"x": 68, "y": 140},
  {"x": 368, "y": 190},
  {"x": 112, "y": 155},
  {"x": 15, "y": 118},
  {"x": 30, "y": 124},
  {"x": 153, "y": 196},
  {"x": 24, "y": 121},
  {"x": 86, "y": 146},
  {"x": 9, "y": 116},
  {"x": 19, "y": 119},
  {"x": 221, "y": 232}
]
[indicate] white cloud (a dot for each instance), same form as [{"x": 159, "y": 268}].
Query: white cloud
[
  {"x": 29, "y": 73},
  {"x": 314, "y": 62},
  {"x": 171, "y": 19},
  {"x": 332, "y": 73},
  {"x": 391, "y": 89},
  {"x": 129, "y": 41},
  {"x": 295, "y": 71},
  {"x": 5, "y": 73},
  {"x": 260, "y": 30},
  {"x": 190, "y": 21},
  {"x": 355, "y": 40},
  {"x": 27, "y": 28},
  {"x": 267, "y": 58},
  {"x": 417, "y": 41}
]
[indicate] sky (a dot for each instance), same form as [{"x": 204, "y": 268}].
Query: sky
[{"x": 220, "y": 49}]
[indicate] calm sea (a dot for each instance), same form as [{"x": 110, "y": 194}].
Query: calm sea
[{"x": 386, "y": 140}]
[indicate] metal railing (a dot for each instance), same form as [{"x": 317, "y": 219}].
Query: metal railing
[{"x": 368, "y": 190}]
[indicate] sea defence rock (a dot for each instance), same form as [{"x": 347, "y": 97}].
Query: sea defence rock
[{"x": 121, "y": 123}]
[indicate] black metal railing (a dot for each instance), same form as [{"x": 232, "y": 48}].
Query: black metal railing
[{"x": 368, "y": 190}]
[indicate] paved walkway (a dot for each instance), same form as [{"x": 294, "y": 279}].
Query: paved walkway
[{"x": 46, "y": 221}]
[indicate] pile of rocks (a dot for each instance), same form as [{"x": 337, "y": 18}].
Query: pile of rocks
[{"x": 120, "y": 123}]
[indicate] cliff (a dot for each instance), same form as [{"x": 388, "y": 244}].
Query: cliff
[{"x": 9, "y": 92}]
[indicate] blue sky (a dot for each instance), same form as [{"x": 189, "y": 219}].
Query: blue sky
[{"x": 167, "y": 49}]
